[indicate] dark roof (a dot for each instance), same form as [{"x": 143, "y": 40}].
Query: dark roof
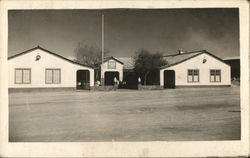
[
  {"x": 129, "y": 62},
  {"x": 108, "y": 58},
  {"x": 179, "y": 58},
  {"x": 38, "y": 47}
]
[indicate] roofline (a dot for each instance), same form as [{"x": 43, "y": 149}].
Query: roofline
[
  {"x": 202, "y": 52},
  {"x": 52, "y": 53},
  {"x": 24, "y": 52},
  {"x": 217, "y": 58},
  {"x": 185, "y": 53},
  {"x": 114, "y": 59},
  {"x": 231, "y": 59}
]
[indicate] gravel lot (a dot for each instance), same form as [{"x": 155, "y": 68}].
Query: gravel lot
[{"x": 183, "y": 114}]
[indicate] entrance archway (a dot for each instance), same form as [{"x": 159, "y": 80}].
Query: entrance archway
[
  {"x": 169, "y": 79},
  {"x": 109, "y": 77},
  {"x": 83, "y": 79}
]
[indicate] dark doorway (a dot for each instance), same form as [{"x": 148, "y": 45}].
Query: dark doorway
[
  {"x": 83, "y": 79},
  {"x": 130, "y": 81},
  {"x": 109, "y": 77},
  {"x": 169, "y": 79}
]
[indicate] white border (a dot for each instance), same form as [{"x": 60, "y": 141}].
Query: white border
[{"x": 126, "y": 149}]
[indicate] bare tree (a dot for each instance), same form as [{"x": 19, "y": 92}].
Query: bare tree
[{"x": 89, "y": 54}]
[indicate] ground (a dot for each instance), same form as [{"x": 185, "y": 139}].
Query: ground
[{"x": 183, "y": 114}]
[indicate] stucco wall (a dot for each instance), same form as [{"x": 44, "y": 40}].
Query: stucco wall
[
  {"x": 119, "y": 68},
  {"x": 181, "y": 71},
  {"x": 68, "y": 70}
]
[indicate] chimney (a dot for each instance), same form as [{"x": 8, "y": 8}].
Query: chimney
[{"x": 180, "y": 51}]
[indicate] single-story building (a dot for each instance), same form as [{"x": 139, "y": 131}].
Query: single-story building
[
  {"x": 120, "y": 68},
  {"x": 111, "y": 68},
  {"x": 198, "y": 68},
  {"x": 41, "y": 68}
]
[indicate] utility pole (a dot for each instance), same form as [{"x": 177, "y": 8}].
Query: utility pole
[
  {"x": 102, "y": 73},
  {"x": 102, "y": 37}
]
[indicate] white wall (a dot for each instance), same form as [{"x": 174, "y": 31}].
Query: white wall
[
  {"x": 119, "y": 68},
  {"x": 204, "y": 71},
  {"x": 68, "y": 70}
]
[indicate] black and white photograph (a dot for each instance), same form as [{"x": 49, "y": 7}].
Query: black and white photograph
[
  {"x": 124, "y": 75},
  {"x": 100, "y": 79}
]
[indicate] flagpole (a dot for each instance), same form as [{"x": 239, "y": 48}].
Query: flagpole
[
  {"x": 102, "y": 37},
  {"x": 102, "y": 75}
]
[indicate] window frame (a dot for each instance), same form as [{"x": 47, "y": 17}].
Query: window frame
[
  {"x": 52, "y": 69},
  {"x": 193, "y": 75},
  {"x": 214, "y": 76},
  {"x": 22, "y": 69}
]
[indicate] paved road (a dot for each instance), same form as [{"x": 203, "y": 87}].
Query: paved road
[{"x": 164, "y": 115}]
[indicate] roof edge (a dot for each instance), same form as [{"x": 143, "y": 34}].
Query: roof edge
[
  {"x": 231, "y": 58},
  {"x": 24, "y": 52},
  {"x": 52, "y": 53},
  {"x": 185, "y": 53},
  {"x": 108, "y": 58},
  {"x": 202, "y": 52},
  {"x": 217, "y": 58}
]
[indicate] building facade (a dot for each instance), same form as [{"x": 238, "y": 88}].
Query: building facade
[
  {"x": 111, "y": 69},
  {"x": 199, "y": 68},
  {"x": 40, "y": 68}
]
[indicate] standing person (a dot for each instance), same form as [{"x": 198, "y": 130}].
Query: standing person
[
  {"x": 139, "y": 80},
  {"x": 139, "y": 84},
  {"x": 115, "y": 84}
]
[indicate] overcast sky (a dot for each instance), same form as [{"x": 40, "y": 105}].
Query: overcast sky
[{"x": 126, "y": 31}]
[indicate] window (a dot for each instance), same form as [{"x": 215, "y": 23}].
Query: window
[
  {"x": 53, "y": 76},
  {"x": 111, "y": 64},
  {"x": 215, "y": 75},
  {"x": 193, "y": 75},
  {"x": 22, "y": 76}
]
